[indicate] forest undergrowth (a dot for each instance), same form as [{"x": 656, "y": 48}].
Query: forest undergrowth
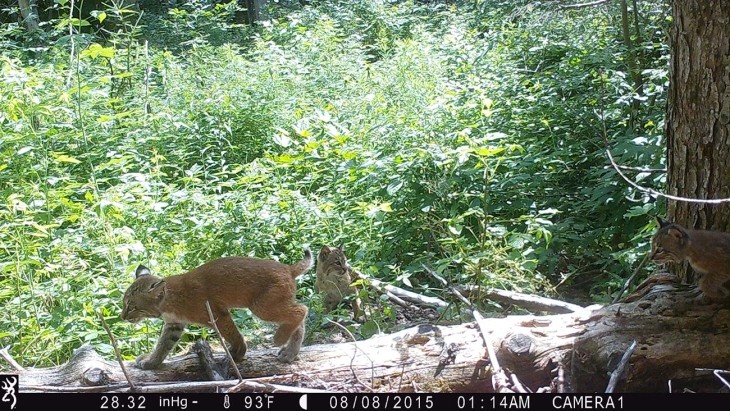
[{"x": 464, "y": 136}]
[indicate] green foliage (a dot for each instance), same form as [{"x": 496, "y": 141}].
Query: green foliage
[{"x": 465, "y": 138}]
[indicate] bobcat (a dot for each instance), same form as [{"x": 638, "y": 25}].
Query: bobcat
[
  {"x": 266, "y": 287},
  {"x": 334, "y": 276},
  {"x": 708, "y": 252}
]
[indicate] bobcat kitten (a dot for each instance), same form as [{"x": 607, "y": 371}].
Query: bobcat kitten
[
  {"x": 708, "y": 252},
  {"x": 266, "y": 287},
  {"x": 334, "y": 277}
]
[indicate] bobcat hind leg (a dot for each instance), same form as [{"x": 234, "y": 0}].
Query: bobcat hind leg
[{"x": 290, "y": 318}]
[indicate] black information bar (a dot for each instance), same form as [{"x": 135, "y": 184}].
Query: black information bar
[{"x": 335, "y": 401}]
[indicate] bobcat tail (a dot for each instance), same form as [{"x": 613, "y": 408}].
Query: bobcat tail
[{"x": 304, "y": 265}]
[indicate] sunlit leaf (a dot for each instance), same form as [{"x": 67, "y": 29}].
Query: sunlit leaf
[
  {"x": 282, "y": 140},
  {"x": 63, "y": 158}
]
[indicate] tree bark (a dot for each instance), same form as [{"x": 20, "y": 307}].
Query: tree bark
[
  {"x": 698, "y": 120},
  {"x": 674, "y": 336},
  {"x": 252, "y": 13},
  {"x": 29, "y": 12}
]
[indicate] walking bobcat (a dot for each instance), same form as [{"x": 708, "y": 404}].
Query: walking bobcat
[
  {"x": 708, "y": 252},
  {"x": 266, "y": 287}
]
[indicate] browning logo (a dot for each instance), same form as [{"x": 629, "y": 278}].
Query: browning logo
[{"x": 9, "y": 384}]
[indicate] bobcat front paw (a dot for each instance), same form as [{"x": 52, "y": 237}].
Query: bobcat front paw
[
  {"x": 146, "y": 363},
  {"x": 287, "y": 354}
]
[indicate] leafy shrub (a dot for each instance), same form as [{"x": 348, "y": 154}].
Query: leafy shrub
[{"x": 464, "y": 138}]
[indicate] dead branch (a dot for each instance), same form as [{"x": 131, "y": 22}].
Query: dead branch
[
  {"x": 450, "y": 288},
  {"x": 116, "y": 352},
  {"x": 620, "y": 368},
  {"x": 223, "y": 343},
  {"x": 9, "y": 358},
  {"x": 377, "y": 285},
  {"x": 499, "y": 378},
  {"x": 583, "y": 5},
  {"x": 631, "y": 279},
  {"x": 415, "y": 298},
  {"x": 526, "y": 301}
]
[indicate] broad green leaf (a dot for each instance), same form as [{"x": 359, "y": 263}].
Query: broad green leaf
[
  {"x": 79, "y": 22},
  {"x": 489, "y": 151},
  {"x": 97, "y": 50},
  {"x": 284, "y": 159},
  {"x": 63, "y": 158}
]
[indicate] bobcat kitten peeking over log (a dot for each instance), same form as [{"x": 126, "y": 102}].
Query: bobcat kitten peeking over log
[
  {"x": 708, "y": 252},
  {"x": 266, "y": 287},
  {"x": 334, "y": 277}
]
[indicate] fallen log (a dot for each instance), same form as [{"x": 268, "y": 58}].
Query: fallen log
[{"x": 573, "y": 352}]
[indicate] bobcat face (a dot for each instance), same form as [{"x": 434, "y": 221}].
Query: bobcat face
[
  {"x": 142, "y": 299},
  {"x": 332, "y": 262},
  {"x": 670, "y": 243}
]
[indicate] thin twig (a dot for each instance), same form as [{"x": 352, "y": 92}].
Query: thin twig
[
  {"x": 717, "y": 373},
  {"x": 643, "y": 170},
  {"x": 582, "y": 5},
  {"x": 354, "y": 374},
  {"x": 223, "y": 343},
  {"x": 392, "y": 297},
  {"x": 116, "y": 352},
  {"x": 618, "y": 373},
  {"x": 724, "y": 381},
  {"x": 499, "y": 379},
  {"x": 452, "y": 289},
  {"x": 6, "y": 354},
  {"x": 630, "y": 279}
]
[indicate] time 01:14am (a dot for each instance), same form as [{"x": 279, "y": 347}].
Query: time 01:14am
[{"x": 517, "y": 402}]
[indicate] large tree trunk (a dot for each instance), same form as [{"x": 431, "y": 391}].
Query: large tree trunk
[
  {"x": 698, "y": 122},
  {"x": 674, "y": 337}
]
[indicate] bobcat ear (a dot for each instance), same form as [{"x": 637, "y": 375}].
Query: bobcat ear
[
  {"x": 678, "y": 233},
  {"x": 158, "y": 289},
  {"x": 142, "y": 270},
  {"x": 324, "y": 251},
  {"x": 662, "y": 222},
  {"x": 341, "y": 247}
]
